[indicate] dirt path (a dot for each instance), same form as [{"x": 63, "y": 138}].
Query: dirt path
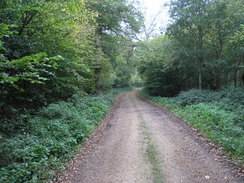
[{"x": 144, "y": 144}]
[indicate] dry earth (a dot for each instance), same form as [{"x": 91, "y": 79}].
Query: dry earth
[{"x": 142, "y": 143}]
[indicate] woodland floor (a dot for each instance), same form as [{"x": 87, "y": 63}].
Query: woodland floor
[{"x": 142, "y": 143}]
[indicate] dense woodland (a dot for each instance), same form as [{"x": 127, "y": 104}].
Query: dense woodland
[
  {"x": 202, "y": 48},
  {"x": 53, "y": 49},
  {"x": 59, "y": 55},
  {"x": 196, "y": 69},
  {"x": 55, "y": 56}
]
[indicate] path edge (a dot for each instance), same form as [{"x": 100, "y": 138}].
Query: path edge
[
  {"x": 211, "y": 146},
  {"x": 85, "y": 148}
]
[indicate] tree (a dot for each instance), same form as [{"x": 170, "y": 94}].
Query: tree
[
  {"x": 157, "y": 66},
  {"x": 41, "y": 31},
  {"x": 116, "y": 20},
  {"x": 44, "y": 29},
  {"x": 190, "y": 18},
  {"x": 203, "y": 30},
  {"x": 204, "y": 48}
]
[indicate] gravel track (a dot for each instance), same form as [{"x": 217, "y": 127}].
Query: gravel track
[{"x": 120, "y": 154}]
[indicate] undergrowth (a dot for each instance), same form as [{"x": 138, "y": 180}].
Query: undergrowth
[
  {"x": 47, "y": 139},
  {"x": 219, "y": 115}
]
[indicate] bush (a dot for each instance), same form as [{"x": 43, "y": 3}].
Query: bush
[
  {"x": 49, "y": 137},
  {"x": 231, "y": 97},
  {"x": 195, "y": 96},
  {"x": 218, "y": 124}
]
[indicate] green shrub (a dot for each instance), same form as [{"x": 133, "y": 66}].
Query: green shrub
[
  {"x": 49, "y": 137},
  {"x": 230, "y": 99},
  {"x": 195, "y": 96},
  {"x": 230, "y": 95},
  {"x": 217, "y": 124}
]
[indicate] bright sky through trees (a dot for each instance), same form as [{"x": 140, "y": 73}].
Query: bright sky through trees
[{"x": 155, "y": 9}]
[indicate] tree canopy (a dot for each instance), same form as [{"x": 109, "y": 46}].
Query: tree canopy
[
  {"x": 51, "y": 50},
  {"x": 61, "y": 59},
  {"x": 203, "y": 48}
]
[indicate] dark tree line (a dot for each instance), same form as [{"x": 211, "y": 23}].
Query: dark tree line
[{"x": 203, "y": 48}]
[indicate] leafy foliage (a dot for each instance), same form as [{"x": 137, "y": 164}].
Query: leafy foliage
[
  {"x": 49, "y": 50},
  {"x": 217, "y": 124},
  {"x": 48, "y": 138},
  {"x": 29, "y": 68},
  {"x": 161, "y": 77},
  {"x": 202, "y": 48}
]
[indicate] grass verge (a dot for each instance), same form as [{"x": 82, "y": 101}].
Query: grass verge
[{"x": 212, "y": 118}]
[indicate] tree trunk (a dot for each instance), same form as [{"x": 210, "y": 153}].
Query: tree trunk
[
  {"x": 235, "y": 77},
  {"x": 98, "y": 71},
  {"x": 200, "y": 79},
  {"x": 200, "y": 56},
  {"x": 242, "y": 80}
]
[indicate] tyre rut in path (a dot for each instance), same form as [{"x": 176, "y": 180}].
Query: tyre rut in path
[{"x": 122, "y": 156}]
